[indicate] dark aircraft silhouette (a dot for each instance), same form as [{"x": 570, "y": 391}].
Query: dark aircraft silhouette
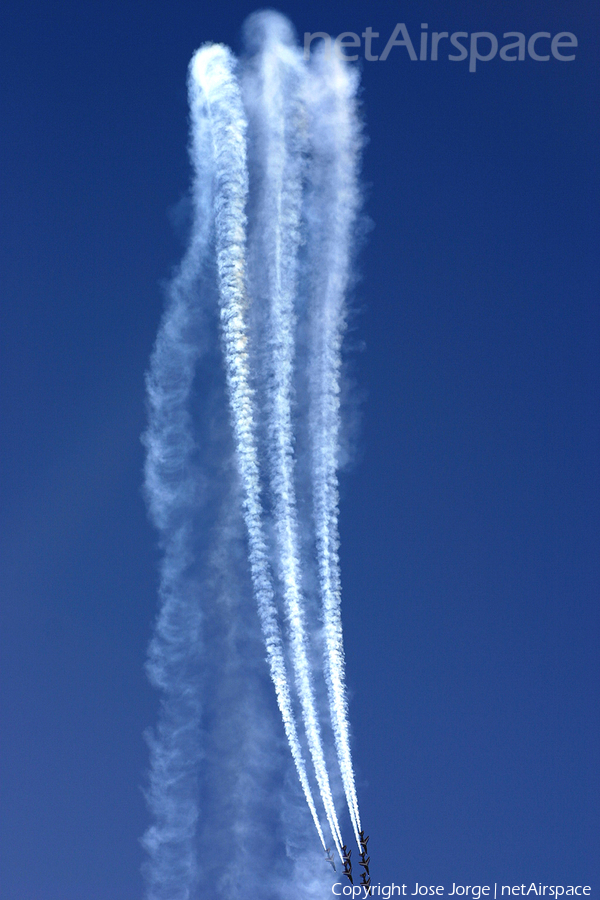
[
  {"x": 364, "y": 861},
  {"x": 347, "y": 864}
]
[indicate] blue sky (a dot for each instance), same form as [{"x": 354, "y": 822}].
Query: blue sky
[{"x": 469, "y": 516}]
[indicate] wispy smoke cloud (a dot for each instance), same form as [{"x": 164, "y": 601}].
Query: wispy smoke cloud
[{"x": 275, "y": 144}]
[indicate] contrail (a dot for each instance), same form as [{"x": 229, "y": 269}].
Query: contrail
[
  {"x": 334, "y": 201},
  {"x": 277, "y": 110},
  {"x": 271, "y": 414},
  {"x": 172, "y": 488},
  {"x": 212, "y": 71}
]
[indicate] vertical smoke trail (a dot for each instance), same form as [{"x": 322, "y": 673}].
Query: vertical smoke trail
[
  {"x": 331, "y": 102},
  {"x": 172, "y": 491},
  {"x": 212, "y": 73},
  {"x": 306, "y": 139},
  {"x": 277, "y": 114}
]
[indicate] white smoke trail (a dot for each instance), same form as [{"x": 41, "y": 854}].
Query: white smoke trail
[
  {"x": 172, "y": 489},
  {"x": 333, "y": 205},
  {"x": 212, "y": 71},
  {"x": 306, "y": 135},
  {"x": 274, "y": 90}
]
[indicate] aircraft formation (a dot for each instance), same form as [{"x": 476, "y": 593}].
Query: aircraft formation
[{"x": 363, "y": 861}]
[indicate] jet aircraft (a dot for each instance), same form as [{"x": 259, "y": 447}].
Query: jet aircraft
[
  {"x": 347, "y": 864},
  {"x": 329, "y": 858}
]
